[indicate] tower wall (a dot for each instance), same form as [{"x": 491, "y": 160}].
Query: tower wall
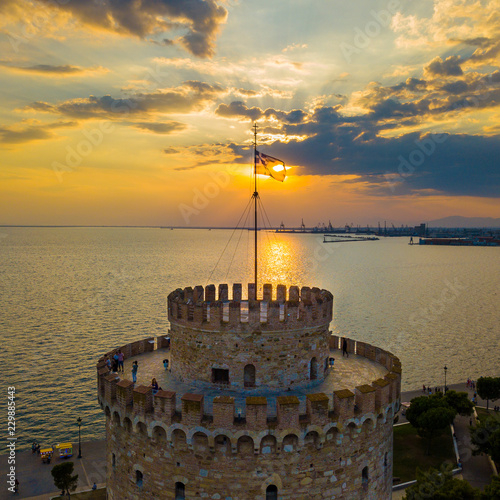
[
  {"x": 278, "y": 341},
  {"x": 340, "y": 448}
]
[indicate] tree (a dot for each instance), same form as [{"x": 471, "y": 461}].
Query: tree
[
  {"x": 488, "y": 388},
  {"x": 63, "y": 478},
  {"x": 430, "y": 416},
  {"x": 440, "y": 485},
  {"x": 486, "y": 438},
  {"x": 460, "y": 402},
  {"x": 492, "y": 491}
]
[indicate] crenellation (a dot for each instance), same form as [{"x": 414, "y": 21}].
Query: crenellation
[
  {"x": 343, "y": 404},
  {"x": 198, "y": 294},
  {"x": 110, "y": 382},
  {"x": 223, "y": 411},
  {"x": 287, "y": 412},
  {"x": 365, "y": 398},
  {"x": 164, "y": 406},
  {"x": 142, "y": 399},
  {"x": 188, "y": 294},
  {"x": 124, "y": 393},
  {"x": 210, "y": 293},
  {"x": 267, "y": 292},
  {"x": 318, "y": 408},
  {"x": 293, "y": 294},
  {"x": 382, "y": 392},
  {"x": 192, "y": 409},
  {"x": 281, "y": 293},
  {"x": 223, "y": 292},
  {"x": 237, "y": 292},
  {"x": 256, "y": 412},
  {"x": 252, "y": 292}
]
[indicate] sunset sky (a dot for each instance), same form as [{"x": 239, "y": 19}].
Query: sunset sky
[{"x": 140, "y": 112}]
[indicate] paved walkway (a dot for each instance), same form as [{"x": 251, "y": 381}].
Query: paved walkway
[
  {"x": 35, "y": 479},
  {"x": 36, "y": 482},
  {"x": 347, "y": 373}
]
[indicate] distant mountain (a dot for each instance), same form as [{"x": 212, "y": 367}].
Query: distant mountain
[{"x": 459, "y": 221}]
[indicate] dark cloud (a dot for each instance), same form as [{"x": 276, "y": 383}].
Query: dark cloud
[
  {"x": 23, "y": 133},
  {"x": 161, "y": 127},
  {"x": 238, "y": 109},
  {"x": 47, "y": 69},
  {"x": 190, "y": 96},
  {"x": 146, "y": 18},
  {"x": 458, "y": 87},
  {"x": 449, "y": 67}
]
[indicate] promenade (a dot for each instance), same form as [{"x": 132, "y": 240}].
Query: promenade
[{"x": 36, "y": 482}]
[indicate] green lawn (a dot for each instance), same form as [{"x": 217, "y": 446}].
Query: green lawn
[
  {"x": 410, "y": 452},
  {"x": 482, "y": 413},
  {"x": 87, "y": 495}
]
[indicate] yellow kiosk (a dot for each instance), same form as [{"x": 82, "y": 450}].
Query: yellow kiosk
[
  {"x": 65, "y": 450},
  {"x": 46, "y": 455}
]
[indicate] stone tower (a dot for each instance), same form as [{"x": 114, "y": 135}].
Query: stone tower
[{"x": 260, "y": 403}]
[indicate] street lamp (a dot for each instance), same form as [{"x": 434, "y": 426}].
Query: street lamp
[
  {"x": 445, "y": 369},
  {"x": 79, "y": 420}
]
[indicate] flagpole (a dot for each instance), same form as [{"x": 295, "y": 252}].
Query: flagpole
[{"x": 255, "y": 196}]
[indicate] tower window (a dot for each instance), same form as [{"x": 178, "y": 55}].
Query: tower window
[
  {"x": 113, "y": 460},
  {"x": 249, "y": 376},
  {"x": 180, "y": 491},
  {"x": 364, "y": 478},
  {"x": 272, "y": 492},
  {"x": 220, "y": 376},
  {"x": 138, "y": 478}
]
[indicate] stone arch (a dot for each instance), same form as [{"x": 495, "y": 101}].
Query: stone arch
[
  {"x": 367, "y": 424},
  {"x": 312, "y": 440},
  {"x": 137, "y": 474},
  {"x": 180, "y": 490},
  {"x": 141, "y": 428},
  {"x": 333, "y": 434},
  {"x": 249, "y": 376},
  {"x": 159, "y": 434},
  {"x": 272, "y": 492},
  {"x": 107, "y": 411},
  {"x": 365, "y": 478},
  {"x": 273, "y": 479},
  {"x": 381, "y": 419},
  {"x": 116, "y": 418},
  {"x": 157, "y": 423},
  {"x": 171, "y": 429},
  {"x": 179, "y": 439},
  {"x": 268, "y": 444},
  {"x": 245, "y": 445},
  {"x": 351, "y": 430},
  {"x": 313, "y": 369},
  {"x": 290, "y": 443},
  {"x": 200, "y": 442},
  {"x": 127, "y": 424},
  {"x": 222, "y": 444}
]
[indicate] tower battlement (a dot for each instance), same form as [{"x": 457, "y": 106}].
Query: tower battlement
[
  {"x": 254, "y": 403},
  {"x": 280, "y": 309},
  {"x": 258, "y": 413}
]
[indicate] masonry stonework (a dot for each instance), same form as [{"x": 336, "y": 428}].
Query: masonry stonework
[{"x": 339, "y": 448}]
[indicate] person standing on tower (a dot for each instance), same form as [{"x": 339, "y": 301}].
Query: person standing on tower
[
  {"x": 135, "y": 367},
  {"x": 344, "y": 348}
]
